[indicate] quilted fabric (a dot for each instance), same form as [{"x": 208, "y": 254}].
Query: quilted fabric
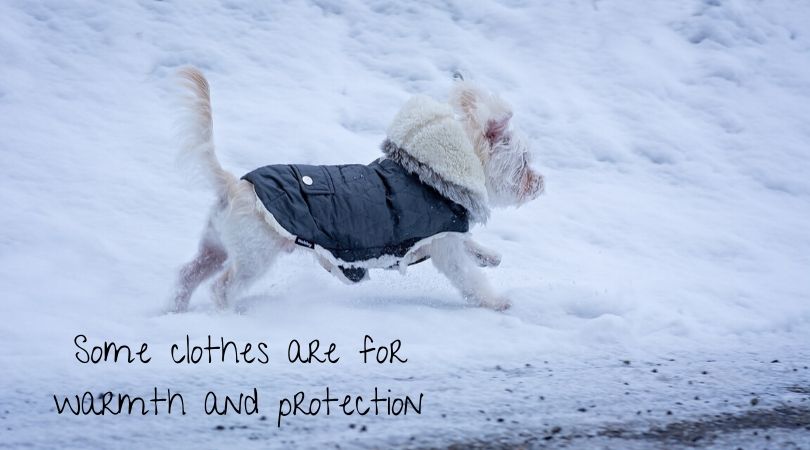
[{"x": 356, "y": 212}]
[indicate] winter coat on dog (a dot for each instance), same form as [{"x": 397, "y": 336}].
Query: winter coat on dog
[
  {"x": 430, "y": 182},
  {"x": 356, "y": 212}
]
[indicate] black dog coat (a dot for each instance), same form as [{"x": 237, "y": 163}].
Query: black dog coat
[{"x": 356, "y": 212}]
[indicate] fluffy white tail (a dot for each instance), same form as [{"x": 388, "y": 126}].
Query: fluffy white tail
[{"x": 197, "y": 133}]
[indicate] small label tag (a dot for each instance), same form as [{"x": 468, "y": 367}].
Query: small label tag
[{"x": 304, "y": 242}]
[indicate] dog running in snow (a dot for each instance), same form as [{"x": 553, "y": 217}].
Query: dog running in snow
[{"x": 444, "y": 165}]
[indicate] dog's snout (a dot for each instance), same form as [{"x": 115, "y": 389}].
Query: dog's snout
[{"x": 532, "y": 185}]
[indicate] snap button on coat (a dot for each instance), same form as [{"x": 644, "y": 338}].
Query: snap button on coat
[{"x": 307, "y": 180}]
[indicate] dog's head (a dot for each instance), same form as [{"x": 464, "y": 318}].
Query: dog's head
[{"x": 503, "y": 151}]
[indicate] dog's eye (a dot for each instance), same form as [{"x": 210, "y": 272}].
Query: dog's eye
[{"x": 506, "y": 140}]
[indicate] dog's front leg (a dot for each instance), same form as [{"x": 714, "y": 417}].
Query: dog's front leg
[
  {"x": 450, "y": 256},
  {"x": 484, "y": 257}
]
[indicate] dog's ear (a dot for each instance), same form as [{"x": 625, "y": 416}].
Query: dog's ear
[
  {"x": 465, "y": 99},
  {"x": 485, "y": 112},
  {"x": 497, "y": 127}
]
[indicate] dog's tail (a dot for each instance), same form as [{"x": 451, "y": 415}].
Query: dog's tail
[{"x": 197, "y": 133}]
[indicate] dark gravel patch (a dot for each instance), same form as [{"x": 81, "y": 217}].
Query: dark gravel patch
[
  {"x": 704, "y": 430},
  {"x": 694, "y": 433}
]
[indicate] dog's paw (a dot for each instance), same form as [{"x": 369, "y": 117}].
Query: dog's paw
[
  {"x": 497, "y": 304},
  {"x": 483, "y": 257},
  {"x": 177, "y": 305},
  {"x": 487, "y": 260}
]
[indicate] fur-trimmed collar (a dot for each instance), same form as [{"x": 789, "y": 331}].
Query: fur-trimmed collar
[{"x": 427, "y": 140}]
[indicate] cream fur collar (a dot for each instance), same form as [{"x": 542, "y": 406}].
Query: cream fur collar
[{"x": 428, "y": 141}]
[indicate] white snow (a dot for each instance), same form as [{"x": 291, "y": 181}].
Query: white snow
[{"x": 674, "y": 138}]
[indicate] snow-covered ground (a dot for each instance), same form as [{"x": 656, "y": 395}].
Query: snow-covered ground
[{"x": 663, "y": 280}]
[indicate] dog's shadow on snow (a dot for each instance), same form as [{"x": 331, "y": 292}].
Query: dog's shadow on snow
[
  {"x": 406, "y": 301},
  {"x": 252, "y": 302},
  {"x": 248, "y": 303}
]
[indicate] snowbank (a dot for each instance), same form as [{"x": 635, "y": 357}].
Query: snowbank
[{"x": 674, "y": 142}]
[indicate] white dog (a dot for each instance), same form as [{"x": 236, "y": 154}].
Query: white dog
[{"x": 444, "y": 166}]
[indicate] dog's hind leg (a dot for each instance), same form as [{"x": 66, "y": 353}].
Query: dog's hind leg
[
  {"x": 236, "y": 278},
  {"x": 208, "y": 261},
  {"x": 245, "y": 265},
  {"x": 451, "y": 257}
]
